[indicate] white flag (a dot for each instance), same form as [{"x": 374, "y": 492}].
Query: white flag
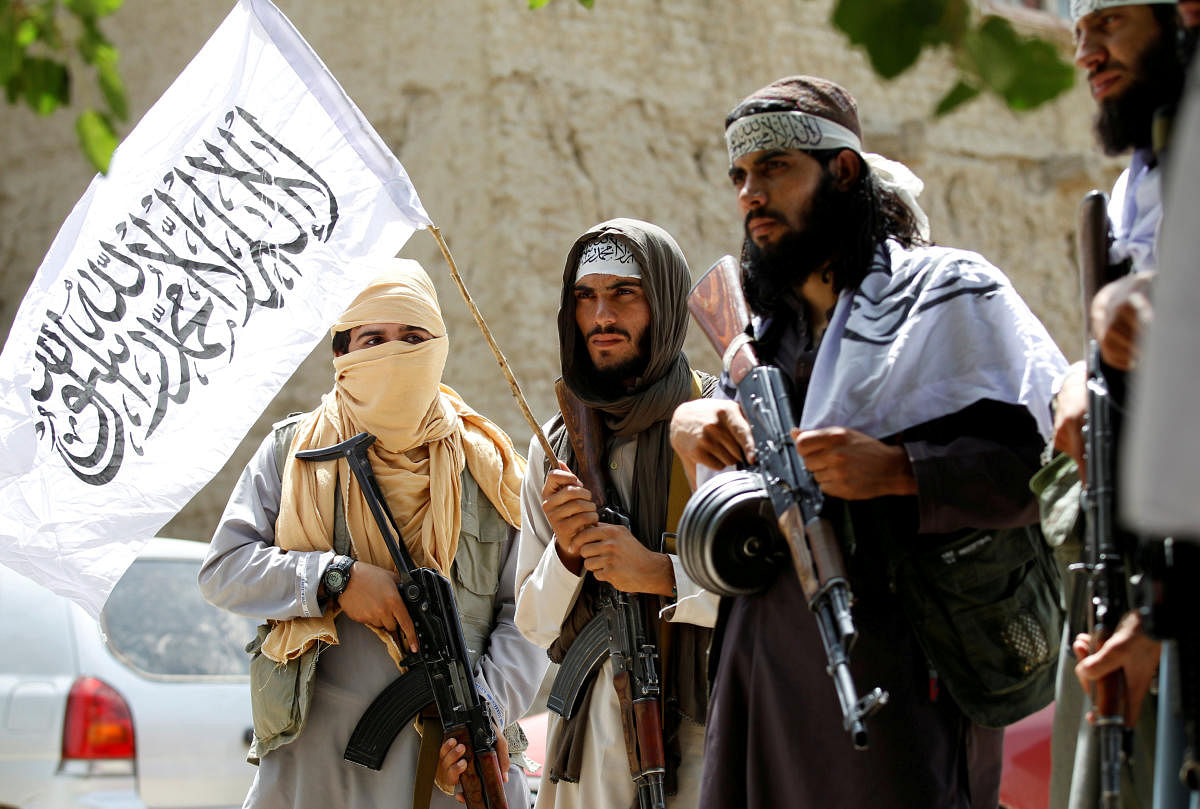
[{"x": 238, "y": 219}]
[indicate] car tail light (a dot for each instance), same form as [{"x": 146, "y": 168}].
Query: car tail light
[{"x": 98, "y": 724}]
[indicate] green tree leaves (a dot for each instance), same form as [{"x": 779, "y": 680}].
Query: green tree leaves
[
  {"x": 990, "y": 55},
  {"x": 894, "y": 32},
  {"x": 36, "y": 56},
  {"x": 97, "y": 138},
  {"x": 37, "y": 41},
  {"x": 1024, "y": 71},
  {"x": 45, "y": 85}
]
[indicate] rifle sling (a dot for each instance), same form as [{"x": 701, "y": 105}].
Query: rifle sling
[{"x": 429, "y": 725}]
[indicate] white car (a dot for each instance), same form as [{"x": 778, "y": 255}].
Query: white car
[{"x": 147, "y": 708}]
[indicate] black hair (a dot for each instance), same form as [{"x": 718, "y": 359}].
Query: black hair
[
  {"x": 882, "y": 215},
  {"x": 1167, "y": 17},
  {"x": 341, "y": 342}
]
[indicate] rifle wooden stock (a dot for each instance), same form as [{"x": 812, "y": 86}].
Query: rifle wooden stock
[
  {"x": 649, "y": 734},
  {"x": 791, "y": 525},
  {"x": 629, "y": 728},
  {"x": 719, "y": 308},
  {"x": 481, "y": 781},
  {"x": 826, "y": 552},
  {"x": 585, "y": 428},
  {"x": 1109, "y": 694}
]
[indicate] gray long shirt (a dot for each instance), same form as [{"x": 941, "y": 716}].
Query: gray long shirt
[{"x": 246, "y": 573}]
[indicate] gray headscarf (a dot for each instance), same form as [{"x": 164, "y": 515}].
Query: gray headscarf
[{"x": 666, "y": 281}]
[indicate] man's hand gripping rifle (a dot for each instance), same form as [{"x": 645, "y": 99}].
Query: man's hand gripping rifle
[
  {"x": 1105, "y": 559},
  {"x": 718, "y": 305},
  {"x": 439, "y": 673},
  {"x": 618, "y": 631}
]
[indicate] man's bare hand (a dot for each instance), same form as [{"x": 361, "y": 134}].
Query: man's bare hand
[
  {"x": 852, "y": 465},
  {"x": 1129, "y": 649},
  {"x": 372, "y": 597},
  {"x": 614, "y": 555},
  {"x": 1070, "y": 410},
  {"x": 569, "y": 508},
  {"x": 452, "y": 763},
  {"x": 712, "y": 432},
  {"x": 1120, "y": 313}
]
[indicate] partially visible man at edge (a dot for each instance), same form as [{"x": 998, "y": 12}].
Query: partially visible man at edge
[
  {"x": 621, "y": 325},
  {"x": 1130, "y": 53},
  {"x": 297, "y": 545},
  {"x": 903, "y": 425}
]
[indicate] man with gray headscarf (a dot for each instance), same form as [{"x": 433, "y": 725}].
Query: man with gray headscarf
[
  {"x": 919, "y": 380},
  {"x": 621, "y": 325}
]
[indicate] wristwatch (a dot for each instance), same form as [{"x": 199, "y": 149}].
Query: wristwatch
[{"x": 337, "y": 576}]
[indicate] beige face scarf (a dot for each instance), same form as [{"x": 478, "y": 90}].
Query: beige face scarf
[{"x": 425, "y": 434}]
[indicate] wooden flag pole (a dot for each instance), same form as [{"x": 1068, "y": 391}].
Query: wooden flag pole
[{"x": 491, "y": 341}]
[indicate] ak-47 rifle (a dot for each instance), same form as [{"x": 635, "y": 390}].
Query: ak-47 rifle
[
  {"x": 439, "y": 673},
  {"x": 618, "y": 630},
  {"x": 717, "y": 303},
  {"x": 1105, "y": 559}
]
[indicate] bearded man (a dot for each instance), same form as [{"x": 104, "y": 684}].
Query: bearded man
[
  {"x": 1130, "y": 53},
  {"x": 919, "y": 380},
  {"x": 621, "y": 325},
  {"x": 298, "y": 546}
]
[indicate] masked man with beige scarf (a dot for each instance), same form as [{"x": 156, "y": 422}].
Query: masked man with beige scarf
[{"x": 298, "y": 547}]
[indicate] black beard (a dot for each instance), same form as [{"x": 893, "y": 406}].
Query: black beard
[
  {"x": 611, "y": 382},
  {"x": 774, "y": 272},
  {"x": 1125, "y": 121}
]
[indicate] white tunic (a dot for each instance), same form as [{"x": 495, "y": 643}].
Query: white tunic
[
  {"x": 1136, "y": 210},
  {"x": 547, "y": 592}
]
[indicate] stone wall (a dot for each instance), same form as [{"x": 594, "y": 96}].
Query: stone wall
[{"x": 520, "y": 129}]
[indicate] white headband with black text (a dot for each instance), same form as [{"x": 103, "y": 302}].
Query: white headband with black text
[
  {"x": 789, "y": 129},
  {"x": 1082, "y": 8},
  {"x": 607, "y": 256}
]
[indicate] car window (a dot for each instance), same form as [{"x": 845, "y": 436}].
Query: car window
[{"x": 157, "y": 621}]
